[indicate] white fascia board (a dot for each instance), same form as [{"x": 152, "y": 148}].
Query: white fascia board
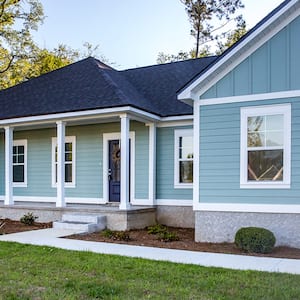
[
  {"x": 193, "y": 92},
  {"x": 78, "y": 115},
  {"x": 134, "y": 113}
]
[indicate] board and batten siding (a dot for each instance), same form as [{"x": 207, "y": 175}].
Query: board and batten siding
[
  {"x": 165, "y": 166},
  {"x": 274, "y": 67},
  {"x": 89, "y": 160},
  {"x": 220, "y": 157}
]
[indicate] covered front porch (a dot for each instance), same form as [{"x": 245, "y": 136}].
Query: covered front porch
[{"x": 75, "y": 175}]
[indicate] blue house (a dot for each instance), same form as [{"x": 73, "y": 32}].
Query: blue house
[{"x": 210, "y": 143}]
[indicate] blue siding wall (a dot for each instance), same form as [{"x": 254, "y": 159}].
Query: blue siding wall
[
  {"x": 89, "y": 156},
  {"x": 220, "y": 157},
  {"x": 273, "y": 67},
  {"x": 165, "y": 166}
]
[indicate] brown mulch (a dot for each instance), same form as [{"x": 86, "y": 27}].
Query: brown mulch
[
  {"x": 186, "y": 242},
  {"x": 10, "y": 226}
]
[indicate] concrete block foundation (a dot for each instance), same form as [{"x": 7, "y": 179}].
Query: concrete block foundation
[
  {"x": 218, "y": 227},
  {"x": 176, "y": 216}
]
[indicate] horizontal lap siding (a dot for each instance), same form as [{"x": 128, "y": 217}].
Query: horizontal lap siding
[
  {"x": 274, "y": 67},
  {"x": 165, "y": 166},
  {"x": 89, "y": 160},
  {"x": 220, "y": 157},
  {"x": 141, "y": 160}
]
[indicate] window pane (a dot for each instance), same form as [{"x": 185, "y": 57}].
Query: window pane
[
  {"x": 18, "y": 173},
  {"x": 14, "y": 159},
  {"x": 185, "y": 171},
  {"x": 186, "y": 149},
  {"x": 21, "y": 158},
  {"x": 68, "y": 147},
  {"x": 274, "y": 122},
  {"x": 20, "y": 150},
  {"x": 256, "y": 123},
  {"x": 274, "y": 138},
  {"x": 14, "y": 149},
  {"x": 265, "y": 165},
  {"x": 256, "y": 139},
  {"x": 68, "y": 173},
  {"x": 68, "y": 157}
]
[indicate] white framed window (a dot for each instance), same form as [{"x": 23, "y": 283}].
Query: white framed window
[
  {"x": 265, "y": 146},
  {"x": 183, "y": 158},
  {"x": 70, "y": 152},
  {"x": 20, "y": 163}
]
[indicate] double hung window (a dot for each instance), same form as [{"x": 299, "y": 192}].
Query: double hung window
[
  {"x": 183, "y": 162},
  {"x": 265, "y": 146},
  {"x": 69, "y": 161},
  {"x": 20, "y": 163}
]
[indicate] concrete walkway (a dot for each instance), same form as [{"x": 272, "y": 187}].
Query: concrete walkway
[{"x": 51, "y": 237}]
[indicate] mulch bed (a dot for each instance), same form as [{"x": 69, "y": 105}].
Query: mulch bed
[
  {"x": 9, "y": 226},
  {"x": 185, "y": 242}
]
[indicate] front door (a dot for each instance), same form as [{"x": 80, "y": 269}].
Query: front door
[{"x": 114, "y": 170}]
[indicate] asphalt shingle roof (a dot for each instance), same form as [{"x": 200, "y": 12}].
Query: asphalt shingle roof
[{"x": 89, "y": 84}]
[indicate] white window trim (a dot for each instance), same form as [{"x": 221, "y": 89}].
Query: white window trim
[
  {"x": 22, "y": 143},
  {"x": 68, "y": 139},
  {"x": 180, "y": 133},
  {"x": 265, "y": 110}
]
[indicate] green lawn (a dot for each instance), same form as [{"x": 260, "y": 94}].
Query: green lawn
[{"x": 31, "y": 272}]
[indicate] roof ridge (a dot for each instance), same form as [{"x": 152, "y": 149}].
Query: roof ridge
[{"x": 169, "y": 63}]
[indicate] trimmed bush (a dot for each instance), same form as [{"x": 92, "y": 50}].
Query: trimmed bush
[
  {"x": 28, "y": 219},
  {"x": 255, "y": 239}
]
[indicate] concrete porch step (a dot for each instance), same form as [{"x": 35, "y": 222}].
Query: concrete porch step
[{"x": 84, "y": 223}]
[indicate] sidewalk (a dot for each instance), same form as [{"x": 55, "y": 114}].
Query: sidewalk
[{"x": 50, "y": 237}]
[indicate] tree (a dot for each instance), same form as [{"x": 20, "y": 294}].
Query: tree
[
  {"x": 231, "y": 39},
  {"x": 163, "y": 58},
  {"x": 17, "y": 20},
  {"x": 209, "y": 17}
]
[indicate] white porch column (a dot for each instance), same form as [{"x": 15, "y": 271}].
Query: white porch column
[
  {"x": 8, "y": 166},
  {"x": 61, "y": 129},
  {"x": 152, "y": 163},
  {"x": 125, "y": 165}
]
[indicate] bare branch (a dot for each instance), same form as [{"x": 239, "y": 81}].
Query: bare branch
[{"x": 8, "y": 65}]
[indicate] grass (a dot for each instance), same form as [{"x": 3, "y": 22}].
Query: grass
[{"x": 35, "y": 272}]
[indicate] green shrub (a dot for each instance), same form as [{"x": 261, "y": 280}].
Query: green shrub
[
  {"x": 167, "y": 236},
  {"x": 255, "y": 239},
  {"x": 28, "y": 219},
  {"x": 156, "y": 229},
  {"x": 116, "y": 235}
]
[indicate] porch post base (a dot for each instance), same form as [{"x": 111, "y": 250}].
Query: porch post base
[{"x": 125, "y": 206}]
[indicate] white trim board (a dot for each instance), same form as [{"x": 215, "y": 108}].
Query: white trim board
[
  {"x": 245, "y": 48},
  {"x": 174, "y": 202},
  {"x": 53, "y": 200},
  {"x": 255, "y": 208},
  {"x": 249, "y": 98}
]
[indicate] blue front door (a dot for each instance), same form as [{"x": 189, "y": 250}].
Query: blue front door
[{"x": 114, "y": 165}]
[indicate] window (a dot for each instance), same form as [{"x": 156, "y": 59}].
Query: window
[
  {"x": 265, "y": 146},
  {"x": 20, "y": 163},
  {"x": 69, "y": 161},
  {"x": 183, "y": 162}
]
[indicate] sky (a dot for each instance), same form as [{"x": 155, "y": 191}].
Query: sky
[{"x": 129, "y": 33}]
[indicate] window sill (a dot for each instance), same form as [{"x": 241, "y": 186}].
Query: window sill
[
  {"x": 69, "y": 185},
  {"x": 183, "y": 186},
  {"x": 19, "y": 184},
  {"x": 265, "y": 185}
]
